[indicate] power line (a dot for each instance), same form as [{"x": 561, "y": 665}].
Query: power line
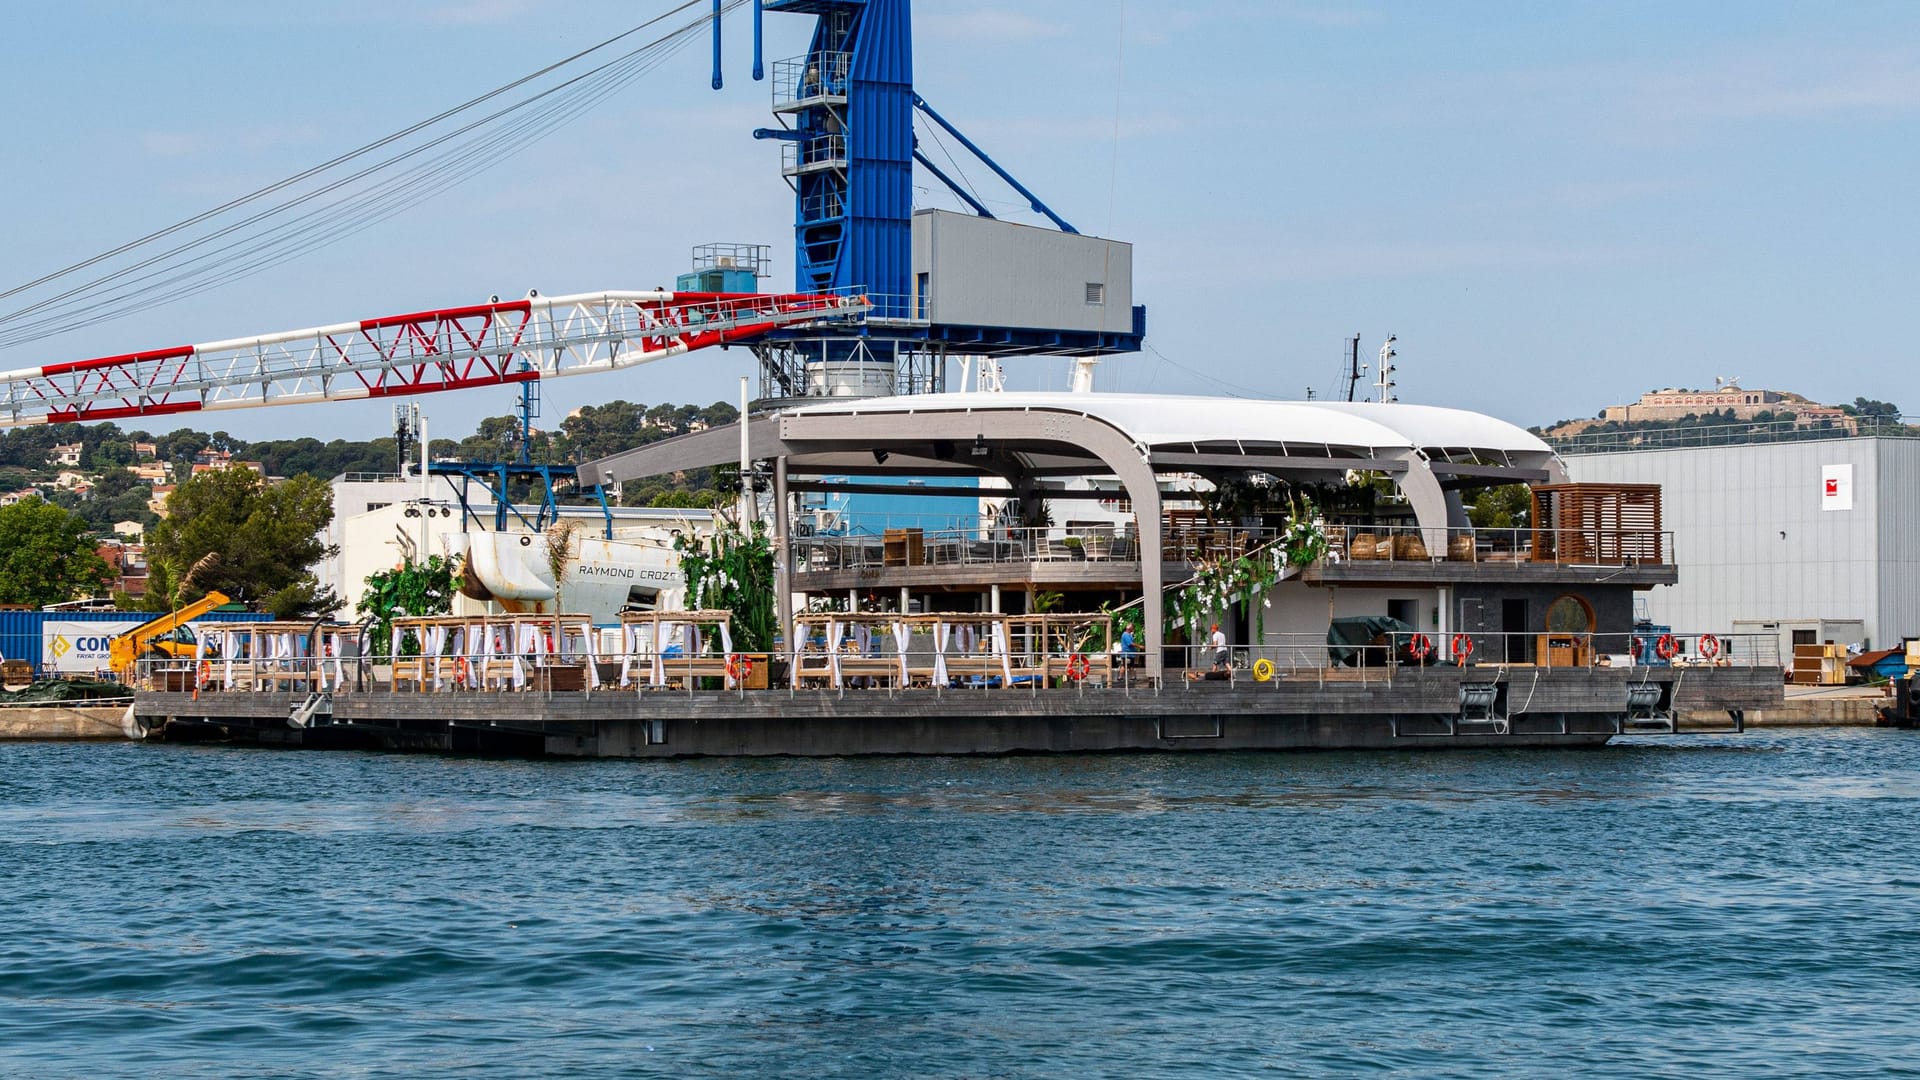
[
  {"x": 527, "y": 121},
  {"x": 1237, "y": 390}
]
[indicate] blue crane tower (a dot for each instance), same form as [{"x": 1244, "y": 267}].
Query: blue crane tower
[{"x": 941, "y": 284}]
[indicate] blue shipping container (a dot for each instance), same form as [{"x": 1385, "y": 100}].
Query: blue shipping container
[{"x": 23, "y": 633}]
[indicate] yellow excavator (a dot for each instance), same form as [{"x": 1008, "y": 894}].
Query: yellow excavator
[{"x": 161, "y": 637}]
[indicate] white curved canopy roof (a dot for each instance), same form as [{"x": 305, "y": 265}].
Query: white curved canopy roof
[{"x": 1167, "y": 420}]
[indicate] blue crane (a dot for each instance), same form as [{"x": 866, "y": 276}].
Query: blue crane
[{"x": 847, "y": 109}]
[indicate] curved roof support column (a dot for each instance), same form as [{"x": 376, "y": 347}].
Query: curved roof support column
[
  {"x": 1116, "y": 451},
  {"x": 1424, "y": 494}
]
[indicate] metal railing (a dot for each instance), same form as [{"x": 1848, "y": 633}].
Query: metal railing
[
  {"x": 806, "y": 78},
  {"x": 825, "y": 150},
  {"x": 984, "y": 661},
  {"x": 1390, "y": 656},
  {"x": 1576, "y": 547},
  {"x": 1001, "y": 545}
]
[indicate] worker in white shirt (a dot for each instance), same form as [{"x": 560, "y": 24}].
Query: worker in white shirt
[{"x": 1219, "y": 642}]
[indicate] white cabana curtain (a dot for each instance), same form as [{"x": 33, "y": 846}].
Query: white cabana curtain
[
  {"x": 833, "y": 651},
  {"x": 941, "y": 632},
  {"x": 902, "y": 638},
  {"x": 588, "y": 650},
  {"x": 662, "y": 642},
  {"x": 1006, "y": 657}
]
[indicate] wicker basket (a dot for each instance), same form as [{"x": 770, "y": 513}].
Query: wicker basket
[
  {"x": 1460, "y": 548},
  {"x": 1409, "y": 548},
  {"x": 1363, "y": 546}
]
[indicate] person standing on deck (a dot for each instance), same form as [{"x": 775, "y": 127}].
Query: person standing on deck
[{"x": 1219, "y": 642}]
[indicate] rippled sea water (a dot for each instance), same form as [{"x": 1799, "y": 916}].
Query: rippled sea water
[{"x": 1735, "y": 906}]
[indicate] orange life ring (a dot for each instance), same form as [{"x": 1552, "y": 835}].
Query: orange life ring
[
  {"x": 461, "y": 670},
  {"x": 1639, "y": 644},
  {"x": 206, "y": 672},
  {"x": 1077, "y": 666},
  {"x": 739, "y": 666},
  {"x": 1667, "y": 647},
  {"x": 1462, "y": 645},
  {"x": 1420, "y": 647},
  {"x": 1708, "y": 647}
]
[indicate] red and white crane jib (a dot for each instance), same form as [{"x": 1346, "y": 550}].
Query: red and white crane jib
[{"x": 449, "y": 349}]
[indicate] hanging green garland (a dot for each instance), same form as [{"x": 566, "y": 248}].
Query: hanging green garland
[{"x": 1218, "y": 586}]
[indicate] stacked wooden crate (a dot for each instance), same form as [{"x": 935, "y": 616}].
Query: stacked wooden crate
[{"x": 1819, "y": 665}]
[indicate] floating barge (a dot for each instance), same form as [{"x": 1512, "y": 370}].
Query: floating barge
[
  {"x": 1426, "y": 709},
  {"x": 936, "y": 641}
]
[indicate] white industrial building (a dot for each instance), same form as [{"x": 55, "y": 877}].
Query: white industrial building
[
  {"x": 618, "y": 558},
  {"x": 1812, "y": 532}
]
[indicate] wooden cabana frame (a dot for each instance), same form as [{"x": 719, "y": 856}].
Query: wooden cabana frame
[
  {"x": 644, "y": 660},
  {"x": 280, "y": 655},
  {"x": 496, "y": 651},
  {"x": 973, "y": 648}
]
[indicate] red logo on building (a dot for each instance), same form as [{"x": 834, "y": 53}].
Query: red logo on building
[{"x": 1833, "y": 487}]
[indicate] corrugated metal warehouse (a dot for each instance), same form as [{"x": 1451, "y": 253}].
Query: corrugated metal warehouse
[{"x": 1827, "y": 529}]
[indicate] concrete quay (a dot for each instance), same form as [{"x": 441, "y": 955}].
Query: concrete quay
[{"x": 63, "y": 722}]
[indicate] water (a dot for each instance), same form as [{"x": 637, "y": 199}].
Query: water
[{"x": 1730, "y": 907}]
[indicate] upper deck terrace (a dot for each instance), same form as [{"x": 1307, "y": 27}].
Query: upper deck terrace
[{"x": 1029, "y": 449}]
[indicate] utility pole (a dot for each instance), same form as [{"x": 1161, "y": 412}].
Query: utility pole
[{"x": 1384, "y": 383}]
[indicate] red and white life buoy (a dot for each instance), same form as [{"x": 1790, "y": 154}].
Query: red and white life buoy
[
  {"x": 1462, "y": 645},
  {"x": 739, "y": 666},
  {"x": 1667, "y": 647},
  {"x": 1077, "y": 666},
  {"x": 1708, "y": 647},
  {"x": 1420, "y": 647}
]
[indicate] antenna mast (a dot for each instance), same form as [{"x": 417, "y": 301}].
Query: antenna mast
[{"x": 1384, "y": 382}]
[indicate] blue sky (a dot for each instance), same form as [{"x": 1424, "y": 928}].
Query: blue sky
[{"x": 1554, "y": 206}]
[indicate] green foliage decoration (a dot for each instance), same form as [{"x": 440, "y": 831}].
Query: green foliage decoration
[
  {"x": 410, "y": 588},
  {"x": 733, "y": 571},
  {"x": 1222, "y": 584}
]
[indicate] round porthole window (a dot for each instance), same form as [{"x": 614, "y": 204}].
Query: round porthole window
[{"x": 1570, "y": 615}]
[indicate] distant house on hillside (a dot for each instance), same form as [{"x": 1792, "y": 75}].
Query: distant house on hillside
[
  {"x": 65, "y": 454},
  {"x": 72, "y": 481},
  {"x": 158, "y": 504},
  {"x": 11, "y": 497},
  {"x": 218, "y": 459},
  {"x": 151, "y": 474},
  {"x": 128, "y": 564},
  {"x": 146, "y": 451}
]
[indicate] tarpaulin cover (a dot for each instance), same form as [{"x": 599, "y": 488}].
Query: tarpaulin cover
[{"x": 1345, "y": 636}]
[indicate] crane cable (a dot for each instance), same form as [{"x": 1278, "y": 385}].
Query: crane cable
[
  {"x": 397, "y": 196},
  {"x": 571, "y": 98}
]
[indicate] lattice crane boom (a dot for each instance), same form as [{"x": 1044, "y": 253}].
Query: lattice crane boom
[{"x": 448, "y": 349}]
